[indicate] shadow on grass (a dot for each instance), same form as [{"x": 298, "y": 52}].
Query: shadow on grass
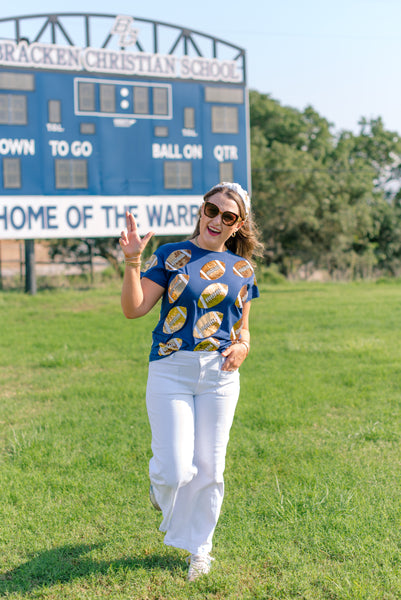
[{"x": 62, "y": 565}]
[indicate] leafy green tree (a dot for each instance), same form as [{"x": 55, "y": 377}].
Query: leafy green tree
[{"x": 324, "y": 200}]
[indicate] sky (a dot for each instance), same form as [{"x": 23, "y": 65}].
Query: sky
[{"x": 342, "y": 58}]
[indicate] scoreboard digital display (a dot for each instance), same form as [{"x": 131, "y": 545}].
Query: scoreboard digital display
[{"x": 87, "y": 133}]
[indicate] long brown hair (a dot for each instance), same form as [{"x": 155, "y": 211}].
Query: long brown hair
[{"x": 246, "y": 242}]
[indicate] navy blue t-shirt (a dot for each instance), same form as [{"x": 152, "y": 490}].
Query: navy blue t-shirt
[{"x": 203, "y": 299}]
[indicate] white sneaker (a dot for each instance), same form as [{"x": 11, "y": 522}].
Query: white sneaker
[
  {"x": 199, "y": 564},
  {"x": 152, "y": 498}
]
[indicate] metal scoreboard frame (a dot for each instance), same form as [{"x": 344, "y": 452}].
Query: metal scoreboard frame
[{"x": 100, "y": 114}]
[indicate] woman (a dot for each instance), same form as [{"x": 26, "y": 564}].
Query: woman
[{"x": 202, "y": 337}]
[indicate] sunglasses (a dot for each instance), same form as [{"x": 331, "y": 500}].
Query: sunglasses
[{"x": 211, "y": 211}]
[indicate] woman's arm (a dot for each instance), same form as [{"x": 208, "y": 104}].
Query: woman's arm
[
  {"x": 138, "y": 295},
  {"x": 237, "y": 352}
]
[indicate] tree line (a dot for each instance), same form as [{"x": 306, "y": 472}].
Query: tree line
[{"x": 325, "y": 200}]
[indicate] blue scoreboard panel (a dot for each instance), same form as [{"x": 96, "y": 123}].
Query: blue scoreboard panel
[{"x": 81, "y": 140}]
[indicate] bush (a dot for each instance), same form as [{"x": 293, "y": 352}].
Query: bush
[{"x": 270, "y": 275}]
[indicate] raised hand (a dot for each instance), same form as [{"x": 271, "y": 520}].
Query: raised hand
[{"x": 130, "y": 241}]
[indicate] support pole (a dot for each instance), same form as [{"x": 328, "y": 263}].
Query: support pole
[
  {"x": 1, "y": 273},
  {"x": 30, "y": 275},
  {"x": 90, "y": 245}
]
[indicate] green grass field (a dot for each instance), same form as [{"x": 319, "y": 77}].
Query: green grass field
[{"x": 312, "y": 507}]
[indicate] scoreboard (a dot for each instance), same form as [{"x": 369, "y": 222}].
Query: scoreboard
[{"x": 89, "y": 132}]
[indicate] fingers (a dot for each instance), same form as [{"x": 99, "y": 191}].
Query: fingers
[
  {"x": 131, "y": 223},
  {"x": 131, "y": 226},
  {"x": 228, "y": 364},
  {"x": 229, "y": 350},
  {"x": 234, "y": 357},
  {"x": 131, "y": 238},
  {"x": 147, "y": 237}
]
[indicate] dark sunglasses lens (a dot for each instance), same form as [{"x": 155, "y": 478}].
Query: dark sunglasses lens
[
  {"x": 229, "y": 218},
  {"x": 211, "y": 210}
]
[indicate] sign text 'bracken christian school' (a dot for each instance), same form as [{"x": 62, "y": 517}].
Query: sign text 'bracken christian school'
[{"x": 100, "y": 60}]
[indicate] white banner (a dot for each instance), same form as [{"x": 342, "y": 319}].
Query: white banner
[{"x": 45, "y": 217}]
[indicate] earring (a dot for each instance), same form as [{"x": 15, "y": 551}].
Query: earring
[{"x": 234, "y": 234}]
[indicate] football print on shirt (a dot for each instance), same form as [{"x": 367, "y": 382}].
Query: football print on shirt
[
  {"x": 212, "y": 295},
  {"x": 208, "y": 324},
  {"x": 207, "y": 345},
  {"x": 151, "y": 262},
  {"x": 236, "y": 330},
  {"x": 175, "y": 319},
  {"x": 242, "y": 297},
  {"x": 242, "y": 268},
  {"x": 178, "y": 259},
  {"x": 177, "y": 286},
  {"x": 214, "y": 269},
  {"x": 172, "y": 346}
]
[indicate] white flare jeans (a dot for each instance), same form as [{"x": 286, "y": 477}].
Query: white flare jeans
[{"x": 191, "y": 404}]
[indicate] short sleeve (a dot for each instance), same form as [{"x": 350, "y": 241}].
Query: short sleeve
[
  {"x": 155, "y": 270},
  {"x": 253, "y": 290}
]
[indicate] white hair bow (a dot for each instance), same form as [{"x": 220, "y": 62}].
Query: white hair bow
[{"x": 243, "y": 194}]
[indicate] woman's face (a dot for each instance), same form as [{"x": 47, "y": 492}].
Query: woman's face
[{"x": 213, "y": 232}]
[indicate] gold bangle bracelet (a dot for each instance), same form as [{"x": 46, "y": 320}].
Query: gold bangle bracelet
[
  {"x": 132, "y": 257},
  {"x": 246, "y": 344},
  {"x": 132, "y": 264}
]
